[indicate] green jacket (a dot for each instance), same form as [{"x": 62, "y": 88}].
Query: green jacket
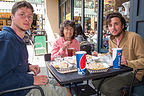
[{"x": 132, "y": 46}]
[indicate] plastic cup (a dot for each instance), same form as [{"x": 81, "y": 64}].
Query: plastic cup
[
  {"x": 116, "y": 55},
  {"x": 81, "y": 62},
  {"x": 70, "y": 51}
]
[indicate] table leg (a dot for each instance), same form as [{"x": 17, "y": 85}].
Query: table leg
[
  {"x": 76, "y": 88},
  {"x": 84, "y": 90},
  {"x": 70, "y": 87}
]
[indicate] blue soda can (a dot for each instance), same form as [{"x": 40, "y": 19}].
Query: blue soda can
[
  {"x": 116, "y": 55},
  {"x": 81, "y": 62}
]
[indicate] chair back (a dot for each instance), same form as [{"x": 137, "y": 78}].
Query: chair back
[
  {"x": 40, "y": 45},
  {"x": 134, "y": 89},
  {"x": 85, "y": 46}
]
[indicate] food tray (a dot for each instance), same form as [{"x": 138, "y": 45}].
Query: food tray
[
  {"x": 98, "y": 71},
  {"x": 97, "y": 66},
  {"x": 65, "y": 70}
]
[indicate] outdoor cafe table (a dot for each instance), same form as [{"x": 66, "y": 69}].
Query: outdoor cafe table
[{"x": 74, "y": 77}]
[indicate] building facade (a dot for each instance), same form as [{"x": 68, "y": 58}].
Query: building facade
[{"x": 90, "y": 14}]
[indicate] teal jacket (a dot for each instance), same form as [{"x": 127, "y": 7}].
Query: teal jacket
[{"x": 13, "y": 63}]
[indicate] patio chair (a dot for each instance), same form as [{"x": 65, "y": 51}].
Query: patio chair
[
  {"x": 23, "y": 88},
  {"x": 85, "y": 46},
  {"x": 134, "y": 89},
  {"x": 38, "y": 47}
]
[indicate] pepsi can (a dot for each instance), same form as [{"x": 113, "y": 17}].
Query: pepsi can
[
  {"x": 116, "y": 55},
  {"x": 81, "y": 62}
]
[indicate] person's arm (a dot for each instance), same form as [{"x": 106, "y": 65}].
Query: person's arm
[
  {"x": 138, "y": 50},
  {"x": 59, "y": 48},
  {"x": 56, "y": 51},
  {"x": 35, "y": 69},
  {"x": 40, "y": 80},
  {"x": 94, "y": 53},
  {"x": 8, "y": 64}
]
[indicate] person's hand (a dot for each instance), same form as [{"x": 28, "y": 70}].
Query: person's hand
[
  {"x": 74, "y": 52},
  {"x": 66, "y": 44},
  {"x": 95, "y": 53},
  {"x": 35, "y": 69},
  {"x": 40, "y": 80},
  {"x": 123, "y": 61}
]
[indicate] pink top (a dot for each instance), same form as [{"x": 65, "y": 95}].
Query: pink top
[
  {"x": 58, "y": 45},
  {"x": 118, "y": 42}
]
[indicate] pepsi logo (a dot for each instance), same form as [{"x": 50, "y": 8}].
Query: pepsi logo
[
  {"x": 119, "y": 54},
  {"x": 83, "y": 62}
]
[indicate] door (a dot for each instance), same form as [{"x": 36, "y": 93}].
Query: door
[{"x": 137, "y": 16}]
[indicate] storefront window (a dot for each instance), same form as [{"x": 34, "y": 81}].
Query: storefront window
[
  {"x": 62, "y": 1},
  {"x": 91, "y": 16},
  {"x": 91, "y": 11},
  {"x": 121, "y": 6},
  {"x": 68, "y": 10},
  {"x": 77, "y": 11},
  {"x": 65, "y": 9},
  {"x": 62, "y": 13}
]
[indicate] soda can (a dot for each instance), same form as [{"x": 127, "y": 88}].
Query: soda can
[
  {"x": 81, "y": 62},
  {"x": 116, "y": 55}
]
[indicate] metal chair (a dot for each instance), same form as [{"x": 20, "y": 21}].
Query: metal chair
[
  {"x": 23, "y": 88},
  {"x": 85, "y": 46},
  {"x": 38, "y": 46},
  {"x": 134, "y": 89}
]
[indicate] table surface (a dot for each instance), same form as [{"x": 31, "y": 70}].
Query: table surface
[{"x": 75, "y": 77}]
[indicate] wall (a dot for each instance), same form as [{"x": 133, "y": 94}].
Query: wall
[{"x": 52, "y": 21}]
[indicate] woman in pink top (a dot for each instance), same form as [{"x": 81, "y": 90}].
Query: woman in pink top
[{"x": 67, "y": 40}]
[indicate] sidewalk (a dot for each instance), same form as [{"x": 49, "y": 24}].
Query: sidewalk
[{"x": 35, "y": 60}]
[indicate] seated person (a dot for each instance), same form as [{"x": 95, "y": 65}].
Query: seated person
[
  {"x": 80, "y": 36},
  {"x": 132, "y": 46},
  {"x": 14, "y": 66},
  {"x": 66, "y": 40}
]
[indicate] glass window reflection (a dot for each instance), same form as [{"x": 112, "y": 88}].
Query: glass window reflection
[{"x": 121, "y": 6}]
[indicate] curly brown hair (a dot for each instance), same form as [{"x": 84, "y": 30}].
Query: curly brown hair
[
  {"x": 118, "y": 15},
  {"x": 65, "y": 24}
]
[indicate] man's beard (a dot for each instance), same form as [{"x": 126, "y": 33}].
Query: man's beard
[{"x": 118, "y": 34}]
